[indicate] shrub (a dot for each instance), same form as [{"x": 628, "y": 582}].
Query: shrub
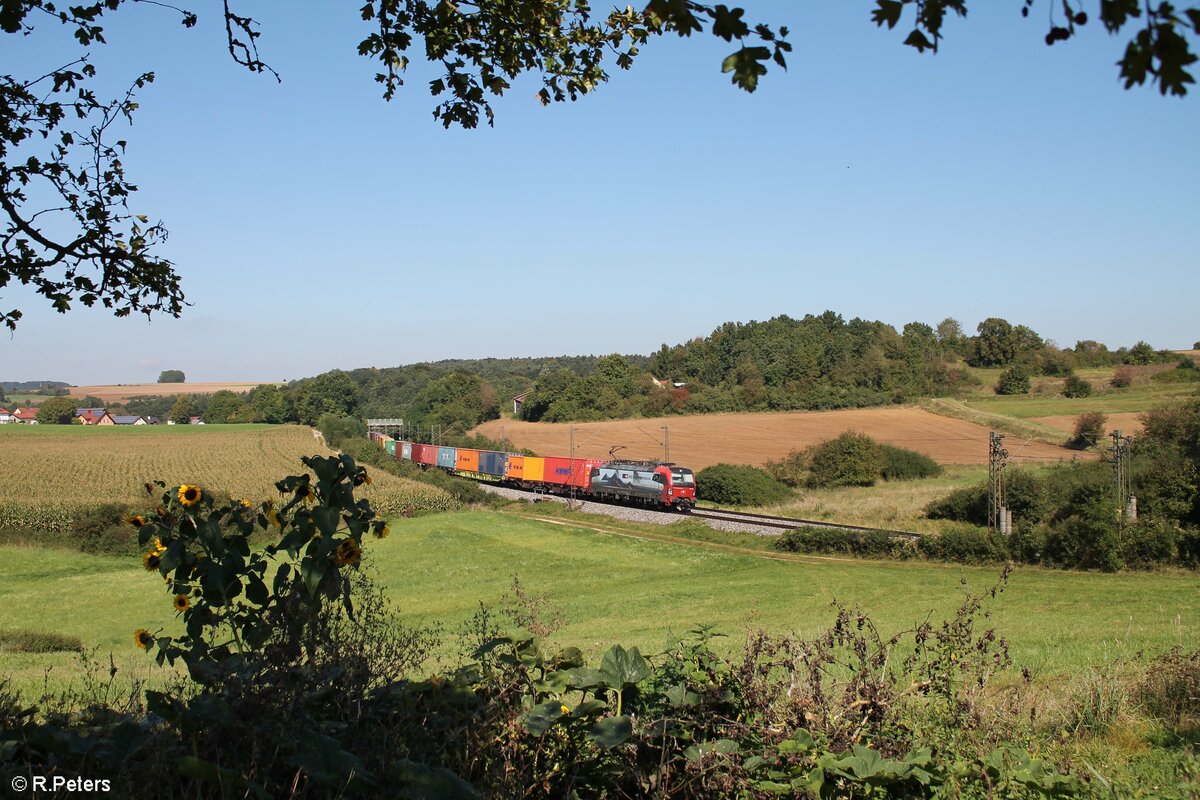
[
  {"x": 1013, "y": 380},
  {"x": 739, "y": 485},
  {"x": 101, "y": 530},
  {"x": 790, "y": 470},
  {"x": 1148, "y": 543},
  {"x": 968, "y": 504},
  {"x": 338, "y": 429},
  {"x": 1076, "y": 386},
  {"x": 964, "y": 545},
  {"x": 852, "y": 459},
  {"x": 865, "y": 544},
  {"x": 1087, "y": 539},
  {"x": 29, "y": 641},
  {"x": 901, "y": 464},
  {"x": 1170, "y": 691},
  {"x": 1089, "y": 430},
  {"x": 1122, "y": 378}
]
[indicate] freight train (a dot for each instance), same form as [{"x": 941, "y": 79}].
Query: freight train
[{"x": 650, "y": 483}]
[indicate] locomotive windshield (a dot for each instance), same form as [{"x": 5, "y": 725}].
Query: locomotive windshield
[{"x": 682, "y": 477}]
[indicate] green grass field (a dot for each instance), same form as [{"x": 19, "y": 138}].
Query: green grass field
[
  {"x": 1109, "y": 401},
  {"x": 614, "y": 588}
]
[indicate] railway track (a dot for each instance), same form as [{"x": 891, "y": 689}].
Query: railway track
[
  {"x": 792, "y": 523},
  {"x": 759, "y": 521}
]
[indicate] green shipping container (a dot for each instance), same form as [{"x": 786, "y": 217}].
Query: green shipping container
[{"x": 390, "y": 446}]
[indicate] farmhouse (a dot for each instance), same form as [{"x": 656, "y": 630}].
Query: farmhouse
[
  {"x": 26, "y": 416},
  {"x": 5, "y": 416},
  {"x": 94, "y": 416}
]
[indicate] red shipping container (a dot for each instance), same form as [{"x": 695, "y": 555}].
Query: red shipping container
[
  {"x": 424, "y": 453},
  {"x": 575, "y": 472}
]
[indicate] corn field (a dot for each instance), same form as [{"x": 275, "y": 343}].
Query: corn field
[{"x": 47, "y": 472}]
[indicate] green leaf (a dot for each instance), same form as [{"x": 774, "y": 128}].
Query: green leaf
[
  {"x": 423, "y": 782},
  {"x": 611, "y": 731},
  {"x": 623, "y": 667},
  {"x": 542, "y": 717}
]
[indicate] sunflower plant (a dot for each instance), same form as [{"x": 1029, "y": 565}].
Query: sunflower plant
[{"x": 236, "y": 600}]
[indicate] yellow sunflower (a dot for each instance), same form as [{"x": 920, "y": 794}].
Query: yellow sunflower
[
  {"x": 151, "y": 561},
  {"x": 380, "y": 528},
  {"x": 306, "y": 493},
  {"x": 142, "y": 638},
  {"x": 362, "y": 478},
  {"x": 159, "y": 547},
  {"x": 189, "y": 495},
  {"x": 247, "y": 504},
  {"x": 182, "y": 603},
  {"x": 348, "y": 552},
  {"x": 564, "y": 709},
  {"x": 273, "y": 518},
  {"x": 136, "y": 520}
]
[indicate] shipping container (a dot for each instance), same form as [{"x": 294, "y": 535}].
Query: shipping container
[
  {"x": 491, "y": 462},
  {"x": 406, "y": 451},
  {"x": 534, "y": 469},
  {"x": 390, "y": 446},
  {"x": 568, "y": 471},
  {"x": 468, "y": 460},
  {"x": 424, "y": 453},
  {"x": 514, "y": 468},
  {"x": 447, "y": 457}
]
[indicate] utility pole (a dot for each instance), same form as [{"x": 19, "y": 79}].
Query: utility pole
[
  {"x": 666, "y": 443},
  {"x": 998, "y": 519},
  {"x": 1120, "y": 451}
]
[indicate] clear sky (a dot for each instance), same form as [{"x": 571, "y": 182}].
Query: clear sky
[{"x": 316, "y": 226}]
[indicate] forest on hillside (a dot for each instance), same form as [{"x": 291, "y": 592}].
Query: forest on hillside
[{"x": 818, "y": 362}]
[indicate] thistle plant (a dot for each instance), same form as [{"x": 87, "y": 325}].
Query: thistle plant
[{"x": 237, "y": 601}]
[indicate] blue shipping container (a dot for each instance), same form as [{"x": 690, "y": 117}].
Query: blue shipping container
[
  {"x": 447, "y": 457},
  {"x": 406, "y": 451},
  {"x": 492, "y": 463}
]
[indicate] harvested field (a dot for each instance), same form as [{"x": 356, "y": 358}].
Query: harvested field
[
  {"x": 1127, "y": 422},
  {"x": 117, "y": 393},
  {"x": 702, "y": 440}
]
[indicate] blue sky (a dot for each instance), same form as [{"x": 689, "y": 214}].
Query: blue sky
[{"x": 316, "y": 226}]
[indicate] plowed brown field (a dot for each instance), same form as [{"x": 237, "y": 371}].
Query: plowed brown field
[
  {"x": 119, "y": 393},
  {"x": 705, "y": 439}
]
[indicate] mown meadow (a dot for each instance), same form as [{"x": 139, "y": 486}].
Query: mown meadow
[{"x": 613, "y": 586}]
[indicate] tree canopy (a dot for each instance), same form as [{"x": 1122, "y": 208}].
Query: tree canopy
[{"x": 67, "y": 228}]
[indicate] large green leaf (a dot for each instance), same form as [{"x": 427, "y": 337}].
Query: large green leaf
[
  {"x": 543, "y": 717},
  {"x": 623, "y": 667},
  {"x": 611, "y": 731}
]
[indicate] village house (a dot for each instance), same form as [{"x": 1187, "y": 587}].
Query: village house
[
  {"x": 26, "y": 416},
  {"x": 5, "y": 416},
  {"x": 94, "y": 416},
  {"x": 126, "y": 419}
]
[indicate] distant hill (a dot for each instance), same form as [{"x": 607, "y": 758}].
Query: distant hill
[{"x": 32, "y": 386}]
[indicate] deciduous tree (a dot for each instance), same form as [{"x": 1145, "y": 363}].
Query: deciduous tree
[{"x": 56, "y": 411}]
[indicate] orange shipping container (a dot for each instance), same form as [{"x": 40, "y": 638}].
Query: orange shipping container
[
  {"x": 468, "y": 460},
  {"x": 535, "y": 469},
  {"x": 516, "y": 468}
]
